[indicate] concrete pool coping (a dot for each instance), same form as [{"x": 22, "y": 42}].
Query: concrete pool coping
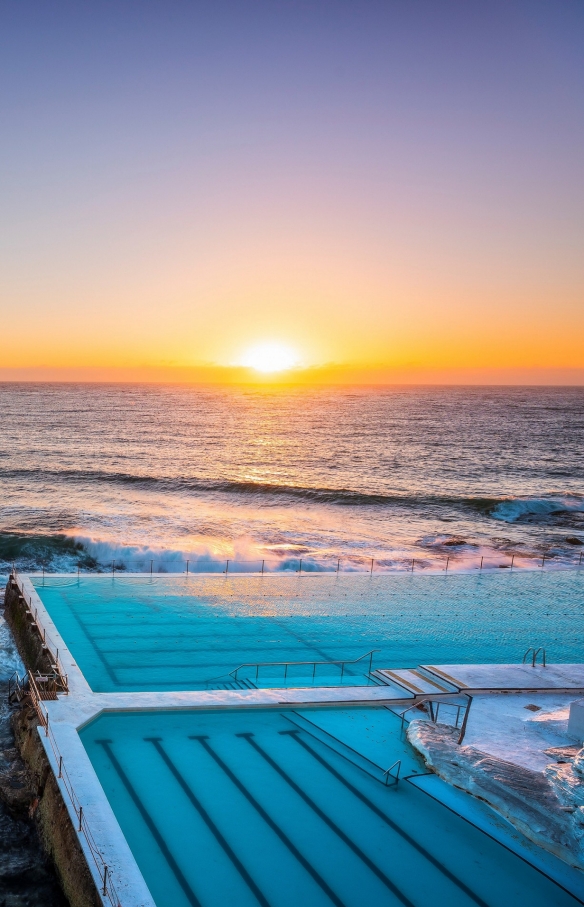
[{"x": 70, "y": 712}]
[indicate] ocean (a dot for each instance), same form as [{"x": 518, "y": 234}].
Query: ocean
[{"x": 352, "y": 479}]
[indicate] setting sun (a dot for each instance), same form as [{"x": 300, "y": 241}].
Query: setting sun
[{"x": 270, "y": 357}]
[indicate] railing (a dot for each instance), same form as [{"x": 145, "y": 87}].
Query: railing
[
  {"x": 352, "y": 755},
  {"x": 534, "y": 653},
  {"x": 387, "y": 774},
  {"x": 293, "y": 664},
  {"x": 48, "y": 645},
  {"x": 106, "y": 887},
  {"x": 434, "y": 712},
  {"x": 305, "y": 565}
]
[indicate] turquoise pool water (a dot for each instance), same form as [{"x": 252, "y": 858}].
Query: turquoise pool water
[
  {"x": 256, "y": 806},
  {"x": 185, "y": 633}
]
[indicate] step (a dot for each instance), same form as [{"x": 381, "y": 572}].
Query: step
[{"x": 416, "y": 682}]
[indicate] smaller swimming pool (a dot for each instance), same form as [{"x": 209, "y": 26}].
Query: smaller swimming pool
[{"x": 280, "y": 808}]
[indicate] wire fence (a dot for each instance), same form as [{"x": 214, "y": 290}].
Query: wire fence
[{"x": 346, "y": 564}]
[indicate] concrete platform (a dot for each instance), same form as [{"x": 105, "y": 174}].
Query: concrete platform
[{"x": 512, "y": 677}]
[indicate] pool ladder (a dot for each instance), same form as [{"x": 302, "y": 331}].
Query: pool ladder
[{"x": 533, "y": 652}]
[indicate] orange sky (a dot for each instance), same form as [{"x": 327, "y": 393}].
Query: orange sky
[{"x": 379, "y": 186}]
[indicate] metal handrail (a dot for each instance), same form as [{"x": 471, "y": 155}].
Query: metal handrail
[
  {"x": 387, "y": 773},
  {"x": 106, "y": 887},
  {"x": 315, "y": 730},
  {"x": 46, "y": 640},
  {"x": 290, "y": 664},
  {"x": 434, "y": 714},
  {"x": 535, "y": 652}
]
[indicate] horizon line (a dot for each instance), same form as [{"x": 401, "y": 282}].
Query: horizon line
[{"x": 325, "y": 375}]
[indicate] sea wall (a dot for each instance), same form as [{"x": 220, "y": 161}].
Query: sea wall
[
  {"x": 26, "y": 636},
  {"x": 55, "y": 829}
]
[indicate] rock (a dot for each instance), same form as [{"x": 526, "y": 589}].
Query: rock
[
  {"x": 545, "y": 807},
  {"x": 572, "y": 540}
]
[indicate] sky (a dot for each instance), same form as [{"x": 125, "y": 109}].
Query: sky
[{"x": 395, "y": 186}]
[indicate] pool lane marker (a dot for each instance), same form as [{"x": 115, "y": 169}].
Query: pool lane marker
[
  {"x": 203, "y": 740},
  {"x": 391, "y": 886},
  {"x": 295, "y": 735},
  {"x": 157, "y": 743},
  {"x": 149, "y": 822}
]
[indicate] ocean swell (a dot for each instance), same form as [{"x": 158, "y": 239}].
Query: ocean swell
[{"x": 318, "y": 494}]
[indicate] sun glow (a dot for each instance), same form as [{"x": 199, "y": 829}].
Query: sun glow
[{"x": 270, "y": 357}]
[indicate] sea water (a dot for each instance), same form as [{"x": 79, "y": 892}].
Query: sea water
[{"x": 152, "y": 477}]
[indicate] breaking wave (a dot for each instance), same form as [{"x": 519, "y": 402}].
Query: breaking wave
[{"x": 513, "y": 510}]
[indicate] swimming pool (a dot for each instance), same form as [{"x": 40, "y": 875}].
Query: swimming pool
[
  {"x": 265, "y": 807},
  {"x": 130, "y": 633}
]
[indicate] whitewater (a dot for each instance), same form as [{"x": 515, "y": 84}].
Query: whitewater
[{"x": 169, "y": 478}]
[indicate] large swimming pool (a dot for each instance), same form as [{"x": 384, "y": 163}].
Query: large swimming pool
[
  {"x": 268, "y": 807},
  {"x": 188, "y": 633}
]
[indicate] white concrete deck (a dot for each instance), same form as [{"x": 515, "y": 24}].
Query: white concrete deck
[
  {"x": 502, "y": 726},
  {"x": 511, "y": 676}
]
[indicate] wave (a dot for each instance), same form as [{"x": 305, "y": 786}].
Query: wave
[
  {"x": 512, "y": 510},
  {"x": 324, "y": 495},
  {"x": 67, "y": 553}
]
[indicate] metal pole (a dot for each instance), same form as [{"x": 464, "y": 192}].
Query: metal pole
[
  {"x": 542, "y": 561},
  {"x": 80, "y": 817},
  {"x": 512, "y": 559},
  {"x": 263, "y": 562},
  {"x": 104, "y": 892},
  {"x": 77, "y": 572},
  {"x": 447, "y": 559},
  {"x": 47, "y": 726},
  {"x": 580, "y": 561},
  {"x": 481, "y": 567},
  {"x": 412, "y": 565},
  {"x": 187, "y": 568},
  {"x": 339, "y": 563},
  {"x": 464, "y": 720},
  {"x": 227, "y": 567},
  {"x": 371, "y": 571},
  {"x": 151, "y": 562},
  {"x": 113, "y": 567},
  {"x": 300, "y": 568},
  {"x": 60, "y": 767}
]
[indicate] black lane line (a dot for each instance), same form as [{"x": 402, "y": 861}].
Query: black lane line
[
  {"x": 403, "y": 834},
  {"x": 91, "y": 640},
  {"x": 202, "y": 739},
  {"x": 190, "y": 894},
  {"x": 328, "y": 821},
  {"x": 156, "y": 742}
]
